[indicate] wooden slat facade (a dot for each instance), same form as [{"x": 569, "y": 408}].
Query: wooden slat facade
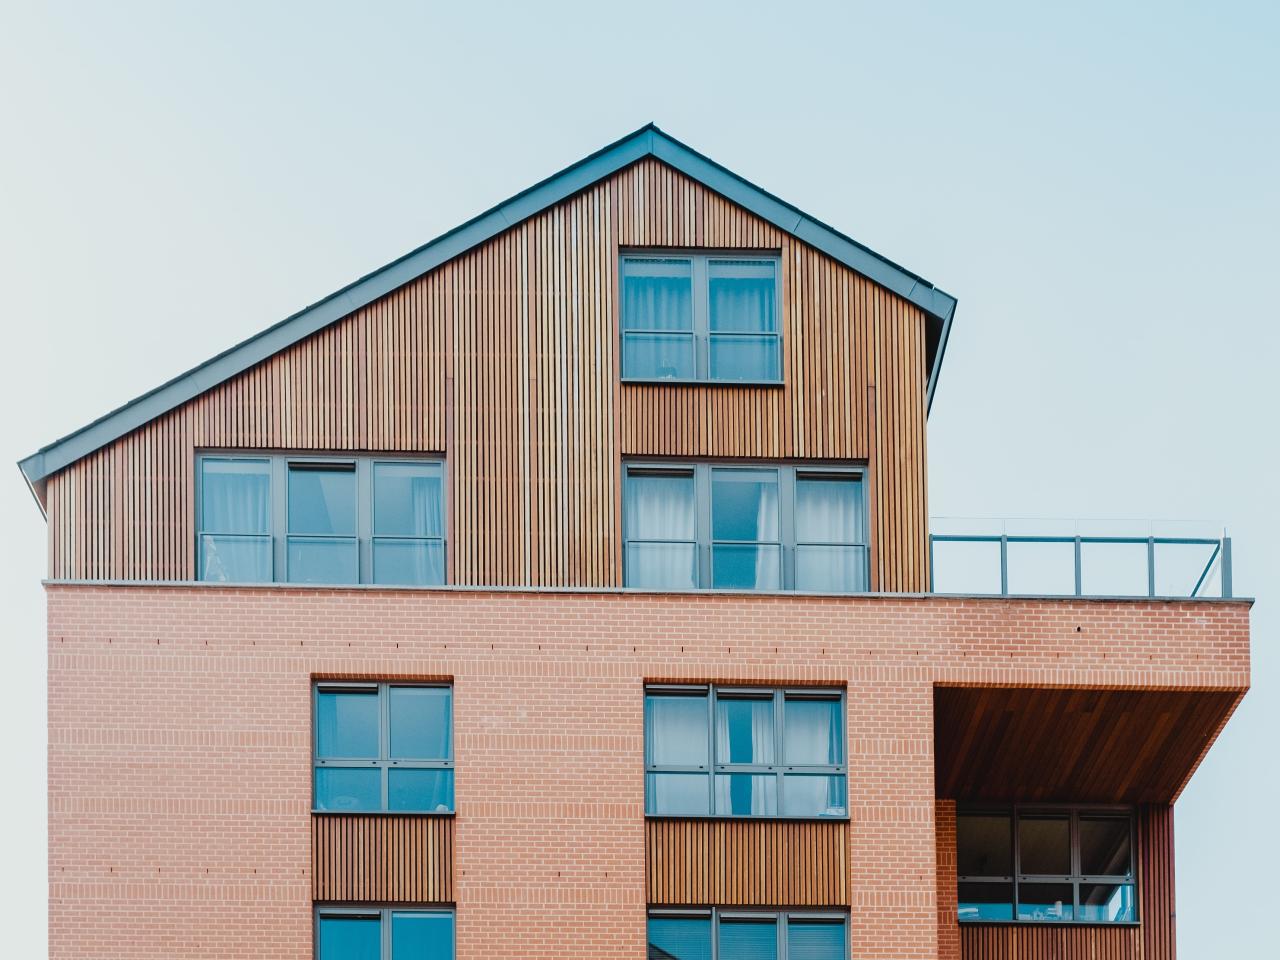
[
  {"x": 382, "y": 859},
  {"x": 506, "y": 360},
  {"x": 747, "y": 863}
]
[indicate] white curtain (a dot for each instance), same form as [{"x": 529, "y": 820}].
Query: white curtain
[
  {"x": 812, "y": 731},
  {"x": 425, "y": 510},
  {"x": 744, "y": 734},
  {"x": 768, "y": 559},
  {"x": 660, "y": 508},
  {"x": 657, "y": 296},
  {"x": 829, "y": 518},
  {"x": 235, "y": 521}
]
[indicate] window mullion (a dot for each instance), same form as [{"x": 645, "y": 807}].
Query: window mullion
[{"x": 701, "y": 318}]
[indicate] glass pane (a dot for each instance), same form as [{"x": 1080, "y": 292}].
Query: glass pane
[
  {"x": 657, "y": 356},
  {"x": 813, "y": 731},
  {"x": 662, "y": 566},
  {"x": 348, "y": 788},
  {"x": 323, "y": 560},
  {"x": 745, "y": 567},
  {"x": 350, "y": 938},
  {"x": 322, "y": 501},
  {"x": 235, "y": 559},
  {"x": 829, "y": 511},
  {"x": 408, "y": 500},
  {"x": 347, "y": 725},
  {"x": 744, "y": 730},
  {"x": 812, "y": 940},
  {"x": 1044, "y": 845},
  {"x": 744, "y": 358},
  {"x": 421, "y": 936},
  {"x": 744, "y": 504},
  {"x": 677, "y": 794},
  {"x": 748, "y": 939},
  {"x": 659, "y": 507},
  {"x": 1107, "y": 903},
  {"x": 676, "y": 730},
  {"x": 813, "y": 795},
  {"x": 657, "y": 295},
  {"x": 679, "y": 938},
  {"x": 747, "y": 794},
  {"x": 984, "y": 845},
  {"x": 741, "y": 295},
  {"x": 963, "y": 567},
  {"x": 826, "y": 569},
  {"x": 412, "y": 562},
  {"x": 986, "y": 901},
  {"x": 1042, "y": 569},
  {"x": 1045, "y": 901},
  {"x": 421, "y": 723},
  {"x": 235, "y": 496},
  {"x": 423, "y": 791},
  {"x": 1104, "y": 847},
  {"x": 1113, "y": 569}
]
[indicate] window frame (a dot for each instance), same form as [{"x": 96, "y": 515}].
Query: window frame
[
  {"x": 279, "y": 535},
  {"x": 384, "y": 762},
  {"x": 700, "y": 333},
  {"x": 789, "y": 472},
  {"x": 781, "y": 918},
  {"x": 1074, "y": 812},
  {"x": 779, "y": 768},
  {"x": 383, "y": 914}
]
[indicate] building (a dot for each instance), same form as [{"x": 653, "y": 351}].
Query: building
[{"x": 566, "y": 586}]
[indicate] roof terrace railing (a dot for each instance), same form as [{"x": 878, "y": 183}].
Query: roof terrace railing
[{"x": 1080, "y": 558}]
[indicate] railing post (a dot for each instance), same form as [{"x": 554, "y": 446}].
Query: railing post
[
  {"x": 1079, "y": 578},
  {"x": 1226, "y": 567},
  {"x": 1004, "y": 565},
  {"x": 1151, "y": 566}
]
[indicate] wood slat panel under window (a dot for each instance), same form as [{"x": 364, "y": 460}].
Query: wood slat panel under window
[{"x": 382, "y": 859}]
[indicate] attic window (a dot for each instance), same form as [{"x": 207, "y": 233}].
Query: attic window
[{"x": 700, "y": 317}]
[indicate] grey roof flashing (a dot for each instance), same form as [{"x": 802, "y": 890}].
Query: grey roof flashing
[{"x": 647, "y": 141}]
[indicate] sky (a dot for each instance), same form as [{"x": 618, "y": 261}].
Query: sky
[{"x": 1095, "y": 182}]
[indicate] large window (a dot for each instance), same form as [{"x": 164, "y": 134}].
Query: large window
[
  {"x": 767, "y": 527},
  {"x": 746, "y": 935},
  {"x": 355, "y": 933},
  {"x": 1046, "y": 865},
  {"x": 700, "y": 317},
  {"x": 744, "y": 752},
  {"x": 320, "y": 519},
  {"x": 383, "y": 746}
]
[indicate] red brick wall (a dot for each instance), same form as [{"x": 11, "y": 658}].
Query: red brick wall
[{"x": 179, "y": 744}]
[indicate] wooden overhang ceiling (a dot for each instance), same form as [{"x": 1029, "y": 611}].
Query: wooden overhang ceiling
[{"x": 1043, "y": 744}]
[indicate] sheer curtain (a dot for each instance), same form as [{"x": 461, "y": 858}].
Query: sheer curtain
[
  {"x": 829, "y": 534},
  {"x": 744, "y": 734},
  {"x": 236, "y": 520},
  {"x": 657, "y": 318},
  {"x": 768, "y": 561},
  {"x": 425, "y": 509},
  {"x": 660, "y": 508}
]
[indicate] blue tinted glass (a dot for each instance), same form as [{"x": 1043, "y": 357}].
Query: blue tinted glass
[
  {"x": 741, "y": 296},
  {"x": 657, "y": 295},
  {"x": 986, "y": 901},
  {"x": 677, "y": 794},
  {"x": 829, "y": 511},
  {"x": 421, "y": 936},
  {"x": 807, "y": 940},
  {"x": 653, "y": 356},
  {"x": 742, "y": 567},
  {"x": 659, "y": 506},
  {"x": 744, "y": 504},
  {"x": 748, "y": 940},
  {"x": 830, "y": 569},
  {"x": 412, "y": 562},
  {"x": 679, "y": 938},
  {"x": 350, "y": 938},
  {"x": 235, "y": 559},
  {"x": 675, "y": 730},
  {"x": 322, "y": 501},
  {"x": 347, "y": 725},
  {"x": 662, "y": 566},
  {"x": 408, "y": 500},
  {"x": 423, "y": 791},
  {"x": 1045, "y": 901},
  {"x": 747, "y": 794},
  {"x": 813, "y": 795},
  {"x": 813, "y": 731},
  {"x": 235, "y": 496},
  {"x": 1106, "y": 903},
  {"x": 744, "y": 730},
  {"x": 323, "y": 560},
  {"x": 740, "y": 357},
  {"x": 421, "y": 722},
  {"x": 348, "y": 788}
]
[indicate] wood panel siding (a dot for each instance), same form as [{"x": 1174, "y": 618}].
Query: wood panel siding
[
  {"x": 382, "y": 859},
  {"x": 747, "y": 863},
  {"x": 506, "y": 360},
  {"x": 1028, "y": 942},
  {"x": 1156, "y": 904}
]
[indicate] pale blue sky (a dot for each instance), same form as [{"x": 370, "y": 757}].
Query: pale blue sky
[{"x": 1097, "y": 184}]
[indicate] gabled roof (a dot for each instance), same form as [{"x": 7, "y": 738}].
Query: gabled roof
[{"x": 648, "y": 141}]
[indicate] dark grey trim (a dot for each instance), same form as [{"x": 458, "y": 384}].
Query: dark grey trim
[{"x": 647, "y": 141}]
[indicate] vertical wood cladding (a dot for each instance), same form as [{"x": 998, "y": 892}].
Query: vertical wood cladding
[
  {"x": 506, "y": 360},
  {"x": 747, "y": 863},
  {"x": 381, "y": 859}
]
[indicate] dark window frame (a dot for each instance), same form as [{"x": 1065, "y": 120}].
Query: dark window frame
[
  {"x": 779, "y": 768},
  {"x": 700, "y": 332},
  {"x": 789, "y": 473},
  {"x": 781, "y": 918},
  {"x": 1074, "y": 812},
  {"x": 279, "y": 535},
  {"x": 383, "y": 915},
  {"x": 385, "y": 762}
]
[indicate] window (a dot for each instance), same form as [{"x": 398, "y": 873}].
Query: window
[
  {"x": 1046, "y": 865},
  {"x": 746, "y": 935},
  {"x": 744, "y": 752},
  {"x": 768, "y": 527},
  {"x": 354, "y": 933},
  {"x": 700, "y": 317},
  {"x": 320, "y": 520},
  {"x": 383, "y": 746}
]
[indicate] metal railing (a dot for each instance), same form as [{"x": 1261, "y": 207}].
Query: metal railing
[{"x": 1077, "y": 558}]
